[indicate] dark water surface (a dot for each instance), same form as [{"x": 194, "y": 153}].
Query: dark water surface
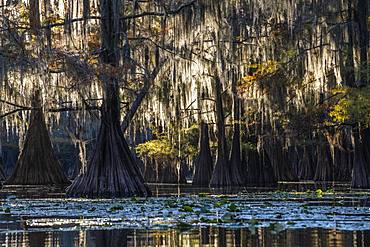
[
  {"x": 184, "y": 216},
  {"x": 207, "y": 236}
]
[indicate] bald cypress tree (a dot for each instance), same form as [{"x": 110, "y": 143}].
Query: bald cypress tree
[
  {"x": 113, "y": 170},
  {"x": 37, "y": 164},
  {"x": 203, "y": 165}
]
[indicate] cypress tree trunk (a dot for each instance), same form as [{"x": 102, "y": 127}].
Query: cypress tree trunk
[
  {"x": 350, "y": 66},
  {"x": 37, "y": 164},
  {"x": 112, "y": 170},
  {"x": 360, "y": 173},
  {"x": 221, "y": 175},
  {"x": 343, "y": 155},
  {"x": 260, "y": 172},
  {"x": 293, "y": 155},
  {"x": 203, "y": 163},
  {"x": 282, "y": 168},
  {"x": 34, "y": 17},
  {"x": 342, "y": 165},
  {"x": 2, "y": 173},
  {"x": 236, "y": 170},
  {"x": 151, "y": 172},
  {"x": 306, "y": 166},
  {"x": 362, "y": 19},
  {"x": 237, "y": 173},
  {"x": 324, "y": 163}
]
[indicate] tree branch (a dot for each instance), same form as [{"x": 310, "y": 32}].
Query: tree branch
[{"x": 148, "y": 81}]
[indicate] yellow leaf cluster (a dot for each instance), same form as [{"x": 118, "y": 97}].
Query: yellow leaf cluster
[
  {"x": 261, "y": 70},
  {"x": 155, "y": 148},
  {"x": 340, "y": 111},
  {"x": 353, "y": 105}
]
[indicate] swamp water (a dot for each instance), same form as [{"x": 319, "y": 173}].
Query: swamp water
[{"x": 190, "y": 218}]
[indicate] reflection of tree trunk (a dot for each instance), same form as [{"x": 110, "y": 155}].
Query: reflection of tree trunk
[
  {"x": 37, "y": 239},
  {"x": 108, "y": 238},
  {"x": 221, "y": 172},
  {"x": 237, "y": 237},
  {"x": 203, "y": 163},
  {"x": 222, "y": 241},
  {"x": 37, "y": 164},
  {"x": 204, "y": 235},
  {"x": 112, "y": 170}
]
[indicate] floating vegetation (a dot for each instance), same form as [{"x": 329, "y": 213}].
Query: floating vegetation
[{"x": 282, "y": 211}]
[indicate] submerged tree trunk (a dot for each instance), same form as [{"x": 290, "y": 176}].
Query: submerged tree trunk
[
  {"x": 203, "y": 163},
  {"x": 37, "y": 164},
  {"x": 112, "y": 170}
]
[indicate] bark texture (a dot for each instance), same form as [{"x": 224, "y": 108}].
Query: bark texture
[
  {"x": 280, "y": 162},
  {"x": 221, "y": 176},
  {"x": 163, "y": 171},
  {"x": 2, "y": 173},
  {"x": 37, "y": 164},
  {"x": 260, "y": 171},
  {"x": 324, "y": 163},
  {"x": 113, "y": 170},
  {"x": 360, "y": 173},
  {"x": 307, "y": 164},
  {"x": 203, "y": 163}
]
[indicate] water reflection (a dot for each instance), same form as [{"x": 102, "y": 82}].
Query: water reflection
[{"x": 196, "y": 237}]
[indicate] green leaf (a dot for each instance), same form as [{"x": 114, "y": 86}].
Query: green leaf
[
  {"x": 187, "y": 208},
  {"x": 232, "y": 208}
]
